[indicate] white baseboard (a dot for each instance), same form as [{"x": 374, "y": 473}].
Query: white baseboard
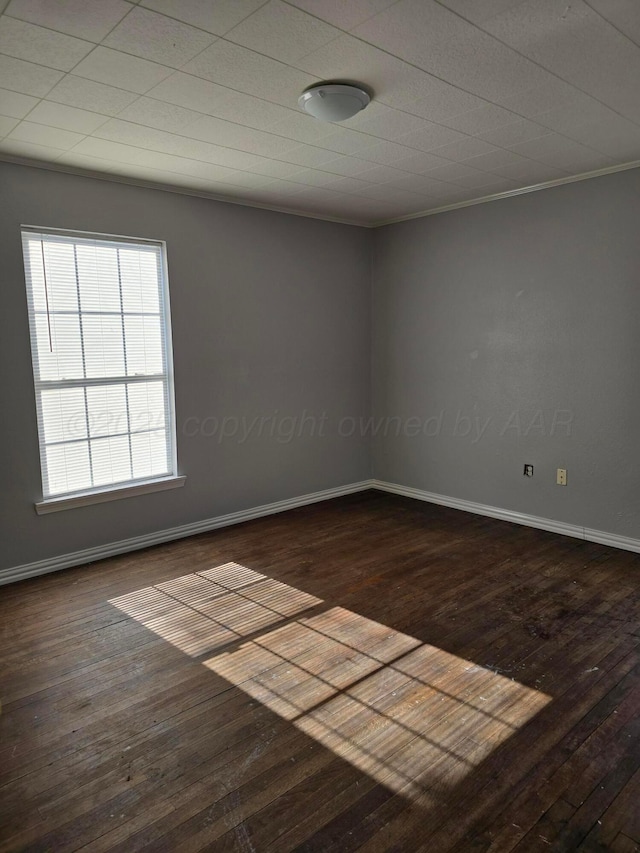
[
  {"x": 90, "y": 555},
  {"x": 586, "y": 533}
]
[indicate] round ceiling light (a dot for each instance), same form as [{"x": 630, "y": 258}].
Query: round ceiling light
[{"x": 333, "y": 101}]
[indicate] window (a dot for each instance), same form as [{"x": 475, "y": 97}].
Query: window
[{"x": 100, "y": 340}]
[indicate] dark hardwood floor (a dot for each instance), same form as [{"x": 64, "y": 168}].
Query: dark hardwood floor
[{"x": 371, "y": 674}]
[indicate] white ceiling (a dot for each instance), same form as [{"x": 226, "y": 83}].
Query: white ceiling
[{"x": 471, "y": 97}]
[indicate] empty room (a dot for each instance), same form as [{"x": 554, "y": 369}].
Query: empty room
[{"x": 320, "y": 516}]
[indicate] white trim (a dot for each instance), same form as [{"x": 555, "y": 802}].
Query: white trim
[
  {"x": 172, "y": 188},
  {"x": 90, "y": 555},
  {"x": 108, "y": 494},
  {"x": 545, "y": 185},
  {"x": 90, "y": 236},
  {"x": 613, "y": 540}
]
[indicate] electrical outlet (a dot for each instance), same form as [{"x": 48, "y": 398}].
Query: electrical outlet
[
  {"x": 528, "y": 470},
  {"x": 561, "y": 478}
]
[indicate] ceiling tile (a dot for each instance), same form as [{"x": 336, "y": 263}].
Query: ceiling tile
[
  {"x": 275, "y": 169},
  {"x": 306, "y": 155},
  {"x": 389, "y": 193},
  {"x": 624, "y": 99},
  {"x": 385, "y": 153},
  {"x": 456, "y": 173},
  {"x": 348, "y": 167},
  {"x": 186, "y": 166},
  {"x": 39, "y": 134},
  {"x": 126, "y": 154},
  {"x": 385, "y": 122},
  {"x": 25, "y": 77},
  {"x": 592, "y": 162},
  {"x": 348, "y": 185},
  {"x": 158, "y": 38},
  {"x": 498, "y": 184},
  {"x": 478, "y": 11},
  {"x": 529, "y": 173},
  {"x": 578, "y": 34},
  {"x": 169, "y": 143},
  {"x": 66, "y": 118},
  {"x": 342, "y": 140},
  {"x": 285, "y": 188},
  {"x": 570, "y": 115},
  {"x": 441, "y": 43},
  {"x": 495, "y": 160},
  {"x": 19, "y": 148},
  {"x": 556, "y": 150},
  {"x": 86, "y": 19},
  {"x": 220, "y": 101},
  {"x": 191, "y": 92},
  {"x": 464, "y": 149},
  {"x": 302, "y": 127},
  {"x": 37, "y": 44},
  {"x": 617, "y": 138},
  {"x": 103, "y": 164},
  {"x": 420, "y": 162},
  {"x": 622, "y": 14},
  {"x": 316, "y": 199},
  {"x": 142, "y": 172},
  {"x": 216, "y": 17},
  {"x": 239, "y": 68},
  {"x": 454, "y": 195},
  {"x": 423, "y": 184},
  {"x": 479, "y": 121},
  {"x": 159, "y": 114},
  {"x": 14, "y": 104},
  {"x": 393, "y": 81},
  {"x": 238, "y": 136},
  {"x": 7, "y": 124},
  {"x": 457, "y": 112},
  {"x": 111, "y": 150},
  {"x": 539, "y": 99},
  {"x": 282, "y": 31},
  {"x": 511, "y": 134},
  {"x": 341, "y": 14},
  {"x": 249, "y": 110},
  {"x": 481, "y": 181},
  {"x": 431, "y": 136},
  {"x": 316, "y": 178},
  {"x": 413, "y": 28},
  {"x": 443, "y": 101},
  {"x": 89, "y": 95},
  {"x": 378, "y": 174},
  {"x": 119, "y": 69},
  {"x": 250, "y": 179}
]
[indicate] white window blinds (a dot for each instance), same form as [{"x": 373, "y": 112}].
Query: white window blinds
[{"x": 100, "y": 340}]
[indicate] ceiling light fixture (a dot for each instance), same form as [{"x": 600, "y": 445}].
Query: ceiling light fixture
[{"x": 333, "y": 101}]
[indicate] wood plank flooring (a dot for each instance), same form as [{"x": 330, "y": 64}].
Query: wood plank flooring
[{"x": 371, "y": 673}]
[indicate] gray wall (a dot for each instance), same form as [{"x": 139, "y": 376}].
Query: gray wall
[
  {"x": 502, "y": 334},
  {"x": 271, "y": 319},
  {"x": 512, "y": 314}
]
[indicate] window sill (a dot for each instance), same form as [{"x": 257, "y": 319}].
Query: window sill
[{"x": 57, "y": 504}]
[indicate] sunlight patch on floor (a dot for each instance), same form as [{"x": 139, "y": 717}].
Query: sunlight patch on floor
[{"x": 410, "y": 715}]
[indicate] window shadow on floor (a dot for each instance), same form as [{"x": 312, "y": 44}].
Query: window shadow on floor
[{"x": 413, "y": 717}]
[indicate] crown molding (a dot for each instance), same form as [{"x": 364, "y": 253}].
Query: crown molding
[
  {"x": 545, "y": 185},
  {"x": 172, "y": 188}
]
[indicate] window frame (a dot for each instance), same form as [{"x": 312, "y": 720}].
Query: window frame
[{"x": 133, "y": 486}]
